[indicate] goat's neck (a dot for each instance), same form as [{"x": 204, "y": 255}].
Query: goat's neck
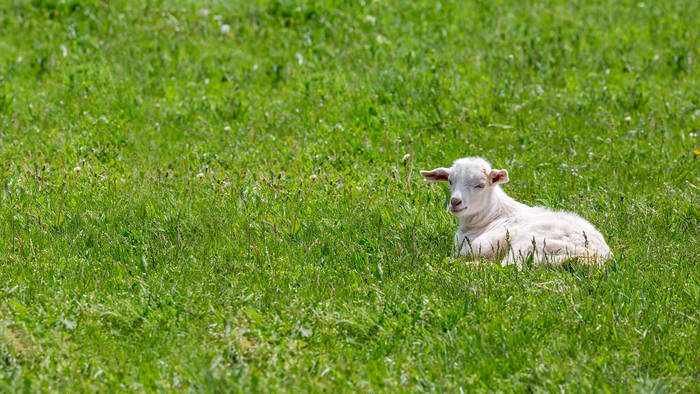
[{"x": 497, "y": 205}]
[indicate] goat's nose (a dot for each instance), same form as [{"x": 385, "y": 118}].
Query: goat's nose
[{"x": 455, "y": 201}]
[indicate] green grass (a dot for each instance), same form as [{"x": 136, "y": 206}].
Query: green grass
[{"x": 243, "y": 219}]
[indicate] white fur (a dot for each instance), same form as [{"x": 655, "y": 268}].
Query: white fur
[{"x": 493, "y": 225}]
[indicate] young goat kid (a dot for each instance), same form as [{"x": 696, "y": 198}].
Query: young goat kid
[{"x": 492, "y": 225}]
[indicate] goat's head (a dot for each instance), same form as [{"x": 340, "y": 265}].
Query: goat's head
[{"x": 471, "y": 180}]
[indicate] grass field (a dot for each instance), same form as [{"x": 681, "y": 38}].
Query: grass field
[{"x": 215, "y": 195}]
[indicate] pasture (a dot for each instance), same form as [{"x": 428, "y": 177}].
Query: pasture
[{"x": 224, "y": 195}]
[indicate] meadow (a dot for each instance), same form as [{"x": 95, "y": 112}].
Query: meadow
[{"x": 224, "y": 195}]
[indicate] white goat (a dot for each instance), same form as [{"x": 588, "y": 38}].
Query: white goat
[{"x": 492, "y": 225}]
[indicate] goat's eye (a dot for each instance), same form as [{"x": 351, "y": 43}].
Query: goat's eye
[{"x": 479, "y": 186}]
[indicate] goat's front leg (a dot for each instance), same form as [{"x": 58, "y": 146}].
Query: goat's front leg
[{"x": 486, "y": 245}]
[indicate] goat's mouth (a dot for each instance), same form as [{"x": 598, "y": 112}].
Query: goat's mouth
[{"x": 456, "y": 211}]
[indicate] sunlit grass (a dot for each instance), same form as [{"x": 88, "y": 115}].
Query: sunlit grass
[{"x": 225, "y": 195}]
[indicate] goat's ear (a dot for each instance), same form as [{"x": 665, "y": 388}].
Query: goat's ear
[
  {"x": 498, "y": 176},
  {"x": 438, "y": 174}
]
